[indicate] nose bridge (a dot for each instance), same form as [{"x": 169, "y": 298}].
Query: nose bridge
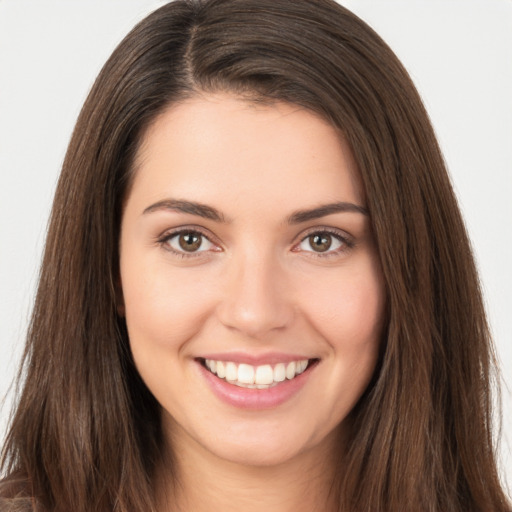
[{"x": 255, "y": 301}]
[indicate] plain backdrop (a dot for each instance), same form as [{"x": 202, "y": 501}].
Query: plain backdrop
[{"x": 458, "y": 52}]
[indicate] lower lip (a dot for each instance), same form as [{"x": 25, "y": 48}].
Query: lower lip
[{"x": 246, "y": 398}]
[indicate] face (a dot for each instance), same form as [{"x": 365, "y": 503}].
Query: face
[{"x": 251, "y": 285}]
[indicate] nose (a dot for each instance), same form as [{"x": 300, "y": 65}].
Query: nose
[{"x": 256, "y": 299}]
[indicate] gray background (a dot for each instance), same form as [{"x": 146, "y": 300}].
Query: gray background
[{"x": 459, "y": 53}]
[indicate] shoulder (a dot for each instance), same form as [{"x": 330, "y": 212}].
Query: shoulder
[
  {"x": 17, "y": 505},
  {"x": 14, "y": 496}
]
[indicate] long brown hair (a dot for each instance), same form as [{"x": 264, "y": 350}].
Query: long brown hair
[{"x": 86, "y": 431}]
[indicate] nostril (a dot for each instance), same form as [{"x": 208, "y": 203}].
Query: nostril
[{"x": 254, "y": 319}]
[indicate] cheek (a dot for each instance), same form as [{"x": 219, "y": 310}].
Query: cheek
[
  {"x": 348, "y": 309},
  {"x": 354, "y": 334},
  {"x": 348, "y": 312},
  {"x": 162, "y": 307}
]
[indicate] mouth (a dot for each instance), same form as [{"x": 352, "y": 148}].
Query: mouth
[{"x": 257, "y": 377}]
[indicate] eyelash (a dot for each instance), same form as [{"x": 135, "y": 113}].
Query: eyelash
[
  {"x": 346, "y": 242},
  {"x": 165, "y": 239}
]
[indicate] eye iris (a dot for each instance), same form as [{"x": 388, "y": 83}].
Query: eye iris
[
  {"x": 190, "y": 242},
  {"x": 320, "y": 243}
]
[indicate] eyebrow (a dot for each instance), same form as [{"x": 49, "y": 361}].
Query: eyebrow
[
  {"x": 299, "y": 216},
  {"x": 192, "y": 207},
  {"x": 323, "y": 210}
]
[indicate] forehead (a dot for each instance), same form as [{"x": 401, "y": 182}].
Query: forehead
[{"x": 222, "y": 148}]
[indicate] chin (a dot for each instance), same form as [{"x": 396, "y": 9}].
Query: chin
[
  {"x": 264, "y": 443},
  {"x": 257, "y": 454}
]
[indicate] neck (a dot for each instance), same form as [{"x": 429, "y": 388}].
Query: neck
[{"x": 202, "y": 482}]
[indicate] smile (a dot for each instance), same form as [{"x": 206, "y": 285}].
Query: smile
[{"x": 256, "y": 377}]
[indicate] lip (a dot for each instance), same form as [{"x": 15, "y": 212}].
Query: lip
[{"x": 254, "y": 399}]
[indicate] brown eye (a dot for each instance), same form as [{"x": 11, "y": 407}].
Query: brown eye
[
  {"x": 320, "y": 242},
  {"x": 324, "y": 243},
  {"x": 190, "y": 242}
]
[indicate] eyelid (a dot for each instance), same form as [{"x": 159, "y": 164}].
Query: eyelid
[
  {"x": 164, "y": 238},
  {"x": 346, "y": 239}
]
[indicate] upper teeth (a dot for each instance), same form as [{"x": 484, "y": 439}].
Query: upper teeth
[{"x": 261, "y": 377}]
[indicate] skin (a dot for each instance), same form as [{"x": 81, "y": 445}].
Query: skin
[{"x": 257, "y": 285}]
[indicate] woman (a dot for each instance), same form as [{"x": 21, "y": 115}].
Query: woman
[{"x": 257, "y": 289}]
